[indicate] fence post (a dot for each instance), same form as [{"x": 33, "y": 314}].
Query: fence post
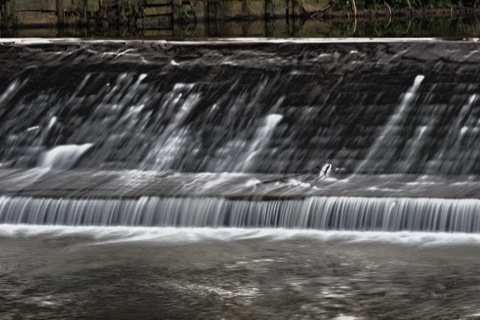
[{"x": 60, "y": 13}]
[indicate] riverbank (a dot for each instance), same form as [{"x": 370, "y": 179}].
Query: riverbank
[
  {"x": 456, "y": 27},
  {"x": 171, "y": 14}
]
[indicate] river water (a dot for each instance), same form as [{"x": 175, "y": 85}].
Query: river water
[{"x": 175, "y": 273}]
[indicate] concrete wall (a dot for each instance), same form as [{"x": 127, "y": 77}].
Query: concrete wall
[
  {"x": 26, "y": 13},
  {"x": 150, "y": 14}
]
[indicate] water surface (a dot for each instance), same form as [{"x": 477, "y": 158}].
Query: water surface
[{"x": 58, "y": 273}]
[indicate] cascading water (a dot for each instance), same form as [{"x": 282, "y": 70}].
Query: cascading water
[
  {"x": 63, "y": 157},
  {"x": 323, "y": 213},
  {"x": 383, "y": 144},
  {"x": 184, "y": 135},
  {"x": 141, "y": 112},
  {"x": 256, "y": 180}
]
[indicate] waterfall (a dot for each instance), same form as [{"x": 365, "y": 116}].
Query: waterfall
[
  {"x": 320, "y": 213},
  {"x": 237, "y": 109},
  {"x": 384, "y": 141},
  {"x": 260, "y": 140},
  {"x": 464, "y": 130},
  {"x": 226, "y": 134}
]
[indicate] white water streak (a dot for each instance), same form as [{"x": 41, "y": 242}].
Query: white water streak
[
  {"x": 12, "y": 88},
  {"x": 261, "y": 139},
  {"x": 394, "y": 121},
  {"x": 457, "y": 137},
  {"x": 110, "y": 235},
  {"x": 169, "y": 145},
  {"x": 62, "y": 157}
]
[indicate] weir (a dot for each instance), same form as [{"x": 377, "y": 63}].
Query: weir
[
  {"x": 320, "y": 213},
  {"x": 146, "y": 133}
]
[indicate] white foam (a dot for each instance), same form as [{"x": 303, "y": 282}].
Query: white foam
[
  {"x": 53, "y": 120},
  {"x": 297, "y": 183},
  {"x": 62, "y": 157},
  {"x": 252, "y": 182},
  {"x": 474, "y": 315},
  {"x": 233, "y": 40},
  {"x": 35, "y": 128},
  {"x": 106, "y": 235},
  {"x": 344, "y": 317}
]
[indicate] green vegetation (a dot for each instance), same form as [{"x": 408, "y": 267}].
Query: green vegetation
[
  {"x": 401, "y": 4},
  {"x": 448, "y": 28},
  {"x": 131, "y": 9}
]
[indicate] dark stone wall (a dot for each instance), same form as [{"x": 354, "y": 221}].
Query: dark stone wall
[
  {"x": 133, "y": 100},
  {"x": 146, "y": 13}
]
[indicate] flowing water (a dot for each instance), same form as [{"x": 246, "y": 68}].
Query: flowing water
[
  {"x": 178, "y": 180},
  {"x": 176, "y": 273}
]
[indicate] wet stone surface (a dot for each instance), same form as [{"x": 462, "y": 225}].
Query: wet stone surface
[
  {"x": 402, "y": 106},
  {"x": 80, "y": 184}
]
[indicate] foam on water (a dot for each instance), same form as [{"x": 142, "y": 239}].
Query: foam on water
[
  {"x": 63, "y": 157},
  {"x": 252, "y": 182},
  {"x": 107, "y": 235},
  {"x": 344, "y": 317},
  {"x": 298, "y": 183}
]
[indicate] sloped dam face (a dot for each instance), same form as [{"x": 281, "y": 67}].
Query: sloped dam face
[
  {"x": 193, "y": 144},
  {"x": 159, "y": 122},
  {"x": 368, "y": 108}
]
